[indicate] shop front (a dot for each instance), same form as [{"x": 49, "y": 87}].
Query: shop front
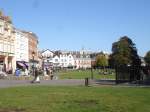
[{"x": 7, "y": 64}]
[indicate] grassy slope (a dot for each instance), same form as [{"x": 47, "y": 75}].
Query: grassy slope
[{"x": 74, "y": 99}]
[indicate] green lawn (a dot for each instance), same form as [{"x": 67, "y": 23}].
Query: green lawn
[
  {"x": 74, "y": 99},
  {"x": 81, "y": 74}
]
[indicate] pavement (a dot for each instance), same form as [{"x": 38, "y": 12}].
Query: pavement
[{"x": 62, "y": 82}]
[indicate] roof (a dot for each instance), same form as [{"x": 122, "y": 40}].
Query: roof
[
  {"x": 46, "y": 50},
  {"x": 31, "y": 33}
]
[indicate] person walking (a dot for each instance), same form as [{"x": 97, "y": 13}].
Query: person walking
[{"x": 36, "y": 76}]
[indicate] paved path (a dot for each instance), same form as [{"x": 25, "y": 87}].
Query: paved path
[
  {"x": 65, "y": 82},
  {"x": 62, "y": 82}
]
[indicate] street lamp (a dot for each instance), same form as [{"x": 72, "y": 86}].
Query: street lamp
[
  {"x": 91, "y": 67},
  {"x": 33, "y": 55}
]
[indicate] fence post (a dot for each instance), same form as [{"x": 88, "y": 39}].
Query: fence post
[
  {"x": 116, "y": 71},
  {"x": 86, "y": 81}
]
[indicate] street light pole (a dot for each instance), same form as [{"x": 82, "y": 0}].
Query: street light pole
[
  {"x": 33, "y": 54},
  {"x": 91, "y": 68}
]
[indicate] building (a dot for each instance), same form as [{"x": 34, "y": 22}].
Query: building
[
  {"x": 21, "y": 49},
  {"x": 56, "y": 61},
  {"x": 64, "y": 59},
  {"x": 83, "y": 59},
  {"x": 82, "y": 62},
  {"x": 7, "y": 44},
  {"x": 17, "y": 47},
  {"x": 47, "y": 53},
  {"x": 47, "y": 58},
  {"x": 70, "y": 60},
  {"x": 32, "y": 48}
]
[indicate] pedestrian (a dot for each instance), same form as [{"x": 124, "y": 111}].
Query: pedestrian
[
  {"x": 46, "y": 71},
  {"x": 36, "y": 76},
  {"x": 26, "y": 72}
]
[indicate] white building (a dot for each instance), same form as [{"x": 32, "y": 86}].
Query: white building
[
  {"x": 66, "y": 59},
  {"x": 70, "y": 61},
  {"x": 63, "y": 60},
  {"x": 47, "y": 53},
  {"x": 56, "y": 61},
  {"x": 21, "y": 46},
  {"x": 47, "y": 58}
]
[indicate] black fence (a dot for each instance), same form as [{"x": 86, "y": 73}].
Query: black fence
[{"x": 132, "y": 74}]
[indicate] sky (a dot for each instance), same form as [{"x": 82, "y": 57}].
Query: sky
[{"x": 89, "y": 24}]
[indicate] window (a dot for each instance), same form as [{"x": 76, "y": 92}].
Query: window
[
  {"x": 1, "y": 47},
  {"x": 56, "y": 60},
  {"x": 1, "y": 29}
]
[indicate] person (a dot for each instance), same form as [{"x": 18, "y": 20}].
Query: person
[
  {"x": 36, "y": 76},
  {"x": 26, "y": 72},
  {"x": 46, "y": 71}
]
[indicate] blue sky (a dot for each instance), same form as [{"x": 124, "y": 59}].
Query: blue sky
[{"x": 73, "y": 24}]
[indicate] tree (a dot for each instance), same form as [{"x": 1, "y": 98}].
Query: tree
[
  {"x": 124, "y": 52},
  {"x": 1, "y": 13},
  {"x": 147, "y": 58},
  {"x": 101, "y": 60},
  {"x": 9, "y": 19}
]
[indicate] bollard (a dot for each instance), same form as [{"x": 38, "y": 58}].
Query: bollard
[{"x": 86, "y": 81}]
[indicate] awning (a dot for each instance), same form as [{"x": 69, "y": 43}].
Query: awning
[
  {"x": 21, "y": 64},
  {"x": 26, "y": 64}
]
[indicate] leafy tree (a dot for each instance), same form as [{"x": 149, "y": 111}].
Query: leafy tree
[
  {"x": 124, "y": 52},
  {"x": 1, "y": 13},
  {"x": 101, "y": 60},
  {"x": 147, "y": 58},
  {"x": 9, "y": 19}
]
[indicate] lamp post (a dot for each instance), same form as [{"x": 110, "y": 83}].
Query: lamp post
[
  {"x": 91, "y": 67},
  {"x": 33, "y": 55},
  {"x": 43, "y": 63}
]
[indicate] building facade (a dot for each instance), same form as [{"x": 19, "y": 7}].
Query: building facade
[
  {"x": 74, "y": 60},
  {"x": 32, "y": 49},
  {"x": 21, "y": 46},
  {"x": 16, "y": 46},
  {"x": 82, "y": 63},
  {"x": 47, "y": 59},
  {"x": 7, "y": 45},
  {"x": 21, "y": 50}
]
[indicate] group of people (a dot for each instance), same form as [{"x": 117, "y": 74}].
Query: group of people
[
  {"x": 36, "y": 75},
  {"x": 47, "y": 72}
]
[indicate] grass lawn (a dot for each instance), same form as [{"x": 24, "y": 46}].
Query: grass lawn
[
  {"x": 83, "y": 74},
  {"x": 74, "y": 99}
]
